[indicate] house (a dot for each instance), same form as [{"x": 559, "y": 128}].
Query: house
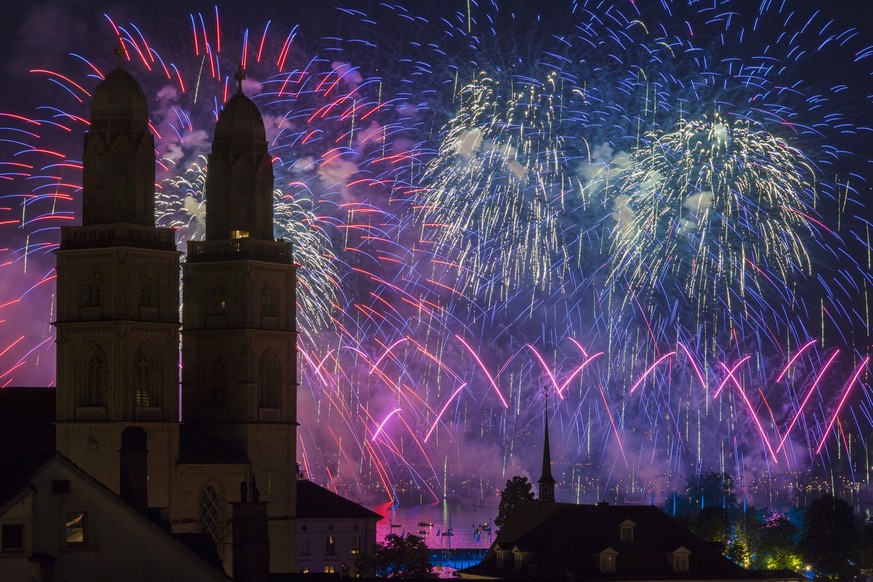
[
  {"x": 62, "y": 524},
  {"x": 565, "y": 541},
  {"x": 332, "y": 531},
  {"x": 548, "y": 540}
]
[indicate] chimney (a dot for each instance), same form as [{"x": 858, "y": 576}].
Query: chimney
[
  {"x": 251, "y": 542},
  {"x": 135, "y": 468}
]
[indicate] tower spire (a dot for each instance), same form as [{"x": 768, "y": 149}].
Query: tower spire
[
  {"x": 240, "y": 76},
  {"x": 119, "y": 54},
  {"x": 546, "y": 483}
]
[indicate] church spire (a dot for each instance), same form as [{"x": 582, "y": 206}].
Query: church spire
[
  {"x": 118, "y": 164},
  {"x": 546, "y": 483}
]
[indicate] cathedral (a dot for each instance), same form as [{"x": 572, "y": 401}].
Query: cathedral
[{"x": 232, "y": 419}]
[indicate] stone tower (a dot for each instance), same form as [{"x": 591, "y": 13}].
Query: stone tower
[
  {"x": 118, "y": 301},
  {"x": 239, "y": 357}
]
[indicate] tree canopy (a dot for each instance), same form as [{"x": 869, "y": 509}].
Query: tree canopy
[
  {"x": 398, "y": 557},
  {"x": 517, "y": 489}
]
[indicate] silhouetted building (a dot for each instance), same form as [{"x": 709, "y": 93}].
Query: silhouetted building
[{"x": 118, "y": 340}]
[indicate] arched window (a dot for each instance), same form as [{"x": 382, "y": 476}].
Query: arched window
[
  {"x": 146, "y": 378},
  {"x": 269, "y": 381},
  {"x": 211, "y": 516},
  {"x": 218, "y": 305},
  {"x": 93, "y": 391},
  {"x": 92, "y": 291},
  {"x": 269, "y": 302},
  {"x": 146, "y": 291},
  {"x": 216, "y": 382}
]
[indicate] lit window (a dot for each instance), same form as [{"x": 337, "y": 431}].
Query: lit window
[
  {"x": 607, "y": 561},
  {"x": 145, "y": 379},
  {"x": 239, "y": 234},
  {"x": 218, "y": 305},
  {"x": 330, "y": 569},
  {"x": 330, "y": 546},
  {"x": 75, "y": 528},
  {"x": 12, "y": 537},
  {"x": 356, "y": 545}
]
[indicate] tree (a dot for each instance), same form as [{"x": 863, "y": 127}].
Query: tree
[
  {"x": 775, "y": 547},
  {"x": 517, "y": 489},
  {"x": 830, "y": 540},
  {"x": 713, "y": 524},
  {"x": 398, "y": 557},
  {"x": 711, "y": 489}
]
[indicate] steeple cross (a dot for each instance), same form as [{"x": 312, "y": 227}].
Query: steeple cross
[
  {"x": 119, "y": 53},
  {"x": 240, "y": 76}
]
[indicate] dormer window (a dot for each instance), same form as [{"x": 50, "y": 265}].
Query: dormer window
[
  {"x": 626, "y": 529},
  {"x": 498, "y": 554},
  {"x": 681, "y": 559},
  {"x": 607, "y": 561}
]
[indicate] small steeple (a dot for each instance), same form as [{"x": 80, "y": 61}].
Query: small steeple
[{"x": 546, "y": 483}]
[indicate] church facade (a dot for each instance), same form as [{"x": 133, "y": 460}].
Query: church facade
[{"x": 233, "y": 417}]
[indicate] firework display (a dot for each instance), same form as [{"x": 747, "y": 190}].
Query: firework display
[{"x": 658, "y": 214}]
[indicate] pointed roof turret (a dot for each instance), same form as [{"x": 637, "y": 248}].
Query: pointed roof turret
[
  {"x": 118, "y": 99},
  {"x": 239, "y": 181},
  {"x": 118, "y": 177},
  {"x": 546, "y": 483},
  {"x": 240, "y": 125}
]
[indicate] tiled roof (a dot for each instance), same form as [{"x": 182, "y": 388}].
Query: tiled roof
[
  {"x": 562, "y": 539},
  {"x": 316, "y": 502}
]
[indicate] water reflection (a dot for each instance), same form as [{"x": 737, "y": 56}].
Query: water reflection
[{"x": 450, "y": 524}]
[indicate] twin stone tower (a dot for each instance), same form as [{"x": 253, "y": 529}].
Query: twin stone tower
[{"x": 233, "y": 418}]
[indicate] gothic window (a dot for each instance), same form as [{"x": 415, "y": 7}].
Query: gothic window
[
  {"x": 268, "y": 381},
  {"x": 94, "y": 379},
  {"x": 210, "y": 511},
  {"x": 269, "y": 302},
  {"x": 92, "y": 291},
  {"x": 216, "y": 382},
  {"x": 218, "y": 305},
  {"x": 146, "y": 378},
  {"x": 146, "y": 291}
]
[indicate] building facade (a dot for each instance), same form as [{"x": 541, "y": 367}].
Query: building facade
[{"x": 118, "y": 329}]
